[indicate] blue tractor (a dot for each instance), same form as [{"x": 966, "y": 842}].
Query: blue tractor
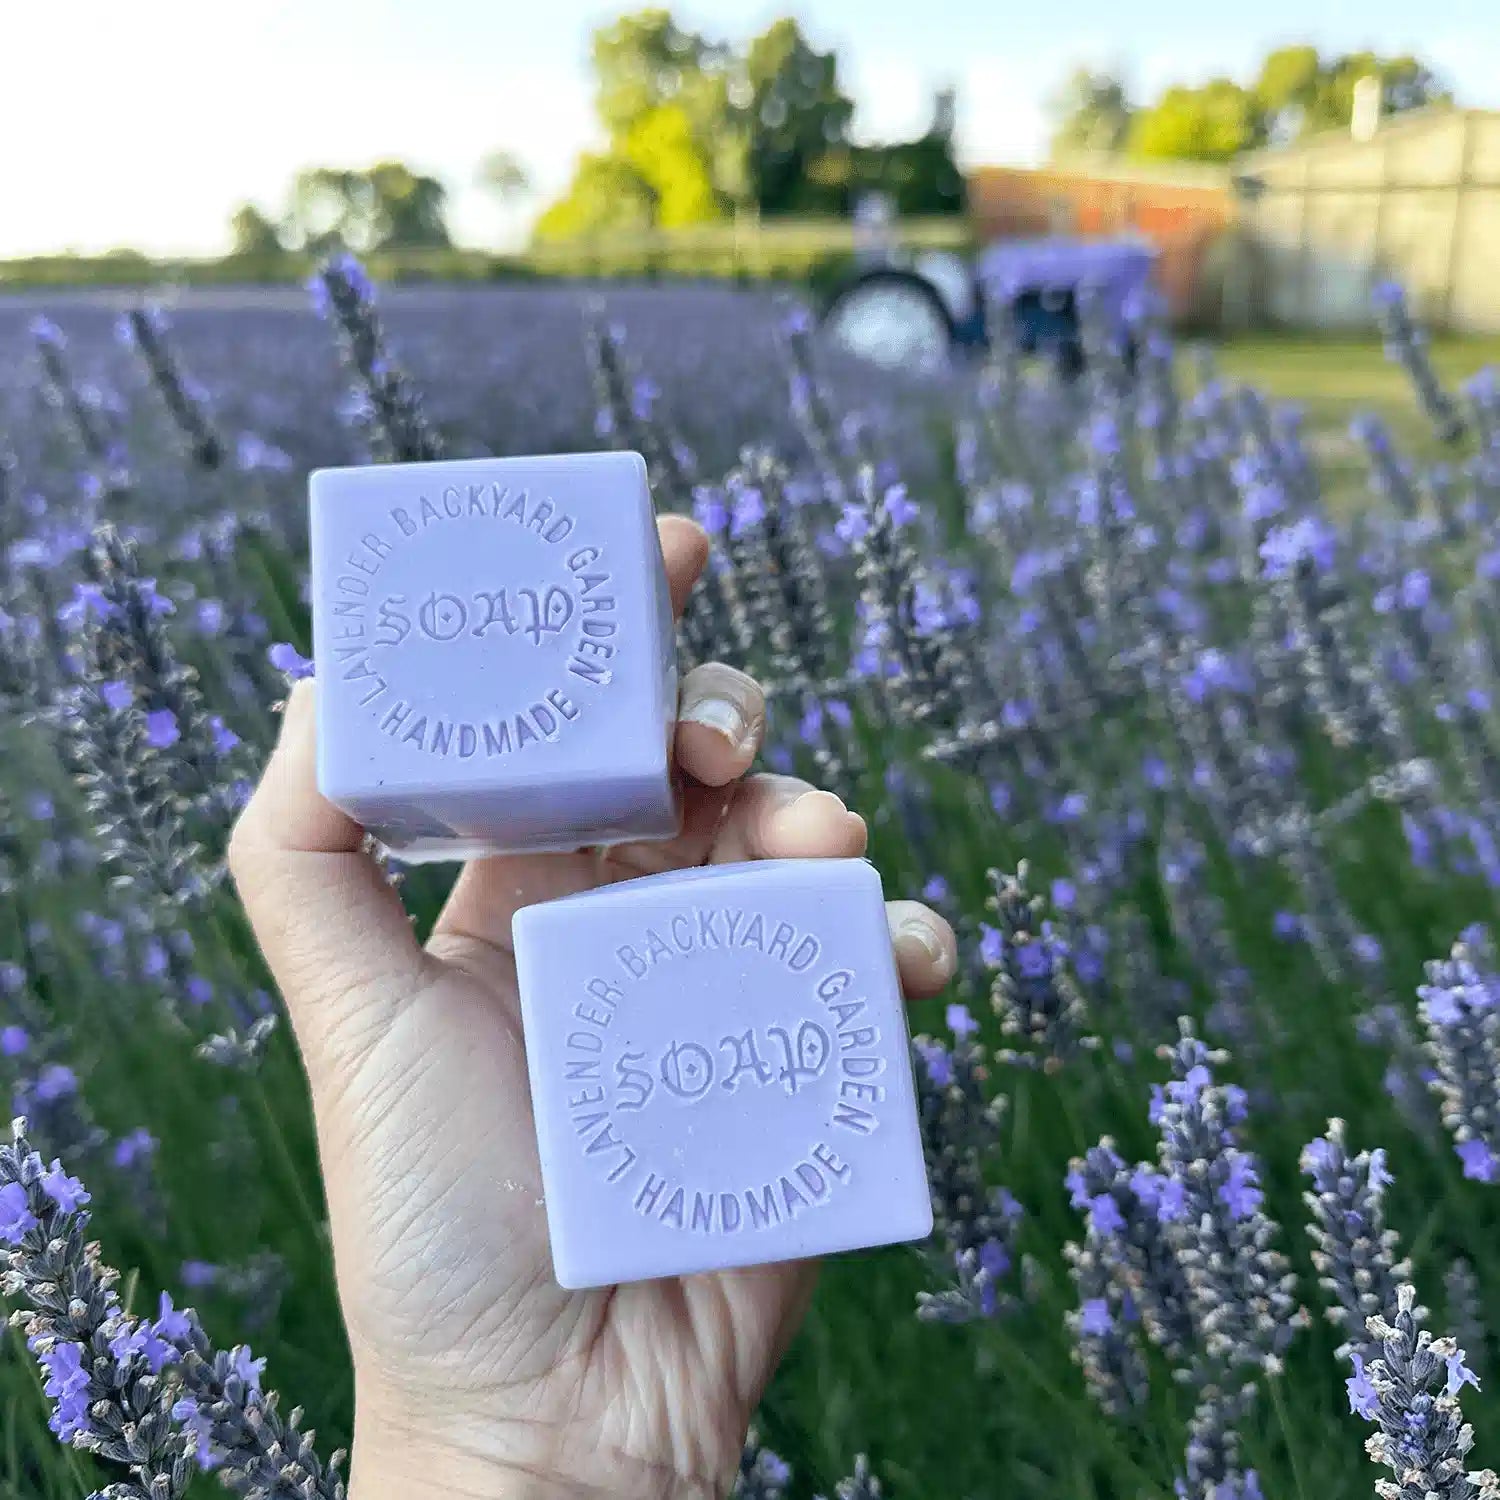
[{"x": 917, "y": 315}]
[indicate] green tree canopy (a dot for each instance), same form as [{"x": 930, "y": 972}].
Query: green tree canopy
[
  {"x": 699, "y": 129},
  {"x": 1297, "y": 92},
  {"x": 1092, "y": 112},
  {"x": 252, "y": 233},
  {"x": 381, "y": 207},
  {"x": 797, "y": 113},
  {"x": 1212, "y": 123},
  {"x": 503, "y": 175},
  {"x": 607, "y": 193}
]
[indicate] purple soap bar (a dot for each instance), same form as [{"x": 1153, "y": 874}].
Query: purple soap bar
[
  {"x": 496, "y": 656},
  {"x": 720, "y": 1071}
]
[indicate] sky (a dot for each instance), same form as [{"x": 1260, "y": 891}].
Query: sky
[{"x": 145, "y": 123}]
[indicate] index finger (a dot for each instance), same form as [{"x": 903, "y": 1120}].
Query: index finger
[{"x": 684, "y": 550}]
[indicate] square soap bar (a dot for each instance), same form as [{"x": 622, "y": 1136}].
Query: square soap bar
[
  {"x": 496, "y": 663},
  {"x": 720, "y": 1071}
]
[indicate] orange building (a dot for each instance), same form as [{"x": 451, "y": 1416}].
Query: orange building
[{"x": 1180, "y": 209}]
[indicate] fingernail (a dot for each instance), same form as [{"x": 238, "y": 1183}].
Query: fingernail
[
  {"x": 931, "y": 944},
  {"x": 722, "y": 715}
]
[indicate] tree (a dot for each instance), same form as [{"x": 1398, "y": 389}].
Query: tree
[
  {"x": 252, "y": 233},
  {"x": 408, "y": 209},
  {"x": 663, "y": 98},
  {"x": 503, "y": 176},
  {"x": 606, "y": 194},
  {"x": 1092, "y": 113},
  {"x": 667, "y": 155},
  {"x": 795, "y": 113},
  {"x": 699, "y": 128},
  {"x": 387, "y": 206},
  {"x": 1299, "y": 91},
  {"x": 646, "y": 60},
  {"x": 1212, "y": 123}
]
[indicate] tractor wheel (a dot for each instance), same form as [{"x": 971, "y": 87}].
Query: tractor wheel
[{"x": 891, "y": 318}]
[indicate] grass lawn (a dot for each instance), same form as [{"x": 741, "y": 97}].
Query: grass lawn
[{"x": 1335, "y": 378}]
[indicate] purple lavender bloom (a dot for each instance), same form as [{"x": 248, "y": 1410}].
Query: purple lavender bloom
[
  {"x": 56, "y": 1081},
  {"x": 937, "y": 1061},
  {"x": 1363, "y": 1399},
  {"x": 710, "y": 510},
  {"x": 68, "y": 1193},
  {"x": 1095, "y": 1318},
  {"x": 286, "y": 658},
  {"x": 853, "y": 525},
  {"x": 67, "y": 1382},
  {"x": 960, "y": 1022},
  {"x": 1479, "y": 1162},
  {"x": 13, "y": 1041},
  {"x": 899, "y": 506},
  {"x": 1104, "y": 1215},
  {"x": 16, "y": 1218},
  {"x": 162, "y": 729},
  {"x": 1308, "y": 540},
  {"x": 133, "y": 1149},
  {"x": 224, "y": 738},
  {"x": 1460, "y": 1013}
]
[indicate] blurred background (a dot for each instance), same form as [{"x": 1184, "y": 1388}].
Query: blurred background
[{"x": 1280, "y": 158}]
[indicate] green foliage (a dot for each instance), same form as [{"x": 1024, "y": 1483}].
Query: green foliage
[
  {"x": 1297, "y": 92},
  {"x": 669, "y": 157},
  {"x": 797, "y": 116},
  {"x": 701, "y": 130},
  {"x": 252, "y": 233},
  {"x": 646, "y": 60},
  {"x": 504, "y": 176},
  {"x": 383, "y": 207},
  {"x": 607, "y": 193},
  {"x": 1093, "y": 113},
  {"x": 1212, "y": 123}
]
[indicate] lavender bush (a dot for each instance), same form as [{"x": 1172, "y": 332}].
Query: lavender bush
[{"x": 1178, "y": 704}]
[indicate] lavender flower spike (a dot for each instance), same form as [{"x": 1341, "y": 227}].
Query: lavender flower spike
[
  {"x": 151, "y": 1396},
  {"x": 102, "y": 1368},
  {"x": 1460, "y": 1008},
  {"x": 387, "y": 405},
  {"x": 763, "y": 1475},
  {"x": 973, "y": 1222},
  {"x": 1240, "y": 1295},
  {"x": 1411, "y": 1392},
  {"x": 1034, "y": 993},
  {"x": 1355, "y": 1254}
]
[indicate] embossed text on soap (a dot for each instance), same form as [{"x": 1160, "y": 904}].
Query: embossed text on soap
[
  {"x": 819, "y": 1044},
  {"x": 570, "y": 608}
]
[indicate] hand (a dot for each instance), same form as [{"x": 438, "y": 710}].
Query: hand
[{"x": 476, "y": 1375}]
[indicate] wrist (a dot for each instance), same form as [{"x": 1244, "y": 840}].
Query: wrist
[
  {"x": 450, "y": 1475},
  {"x": 504, "y": 1459}
]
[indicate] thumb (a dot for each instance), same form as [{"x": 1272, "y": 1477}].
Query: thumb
[{"x": 334, "y": 933}]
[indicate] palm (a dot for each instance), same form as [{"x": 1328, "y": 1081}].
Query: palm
[
  {"x": 445, "y": 1264},
  {"x": 467, "y": 1353}
]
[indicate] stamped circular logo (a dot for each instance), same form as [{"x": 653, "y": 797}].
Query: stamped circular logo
[
  {"x": 474, "y": 621},
  {"x": 734, "y": 1117}
]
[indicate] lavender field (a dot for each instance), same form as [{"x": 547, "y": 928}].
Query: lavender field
[{"x": 1181, "y": 708}]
